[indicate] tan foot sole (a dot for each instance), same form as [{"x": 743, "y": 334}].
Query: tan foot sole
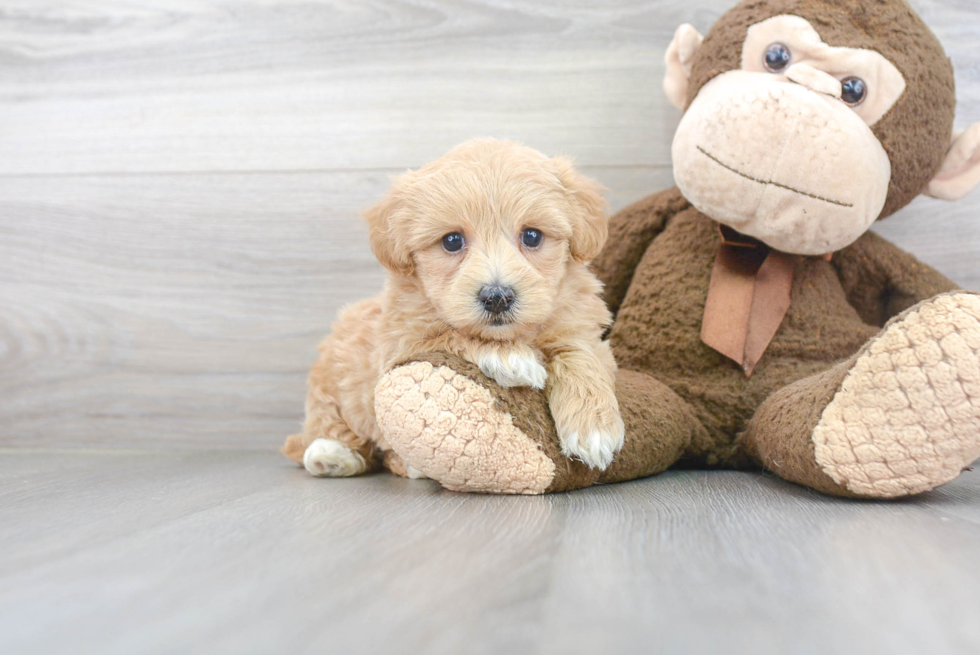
[
  {"x": 907, "y": 416},
  {"x": 447, "y": 426}
]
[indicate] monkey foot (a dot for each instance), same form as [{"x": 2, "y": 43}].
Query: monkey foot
[
  {"x": 450, "y": 428},
  {"x": 907, "y": 416}
]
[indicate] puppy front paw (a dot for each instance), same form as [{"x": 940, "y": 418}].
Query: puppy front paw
[
  {"x": 514, "y": 369},
  {"x": 593, "y": 439}
]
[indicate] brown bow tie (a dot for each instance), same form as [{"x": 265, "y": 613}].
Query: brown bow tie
[{"x": 748, "y": 296}]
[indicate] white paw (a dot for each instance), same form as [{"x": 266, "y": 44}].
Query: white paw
[
  {"x": 332, "y": 459},
  {"x": 517, "y": 370},
  {"x": 597, "y": 448}
]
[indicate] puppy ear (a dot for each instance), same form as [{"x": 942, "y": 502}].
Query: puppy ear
[
  {"x": 388, "y": 247},
  {"x": 589, "y": 225}
]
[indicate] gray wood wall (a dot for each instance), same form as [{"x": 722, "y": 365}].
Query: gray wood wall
[{"x": 179, "y": 181}]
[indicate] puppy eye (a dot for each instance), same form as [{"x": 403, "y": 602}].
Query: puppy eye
[
  {"x": 453, "y": 242},
  {"x": 853, "y": 91},
  {"x": 531, "y": 238},
  {"x": 777, "y": 58}
]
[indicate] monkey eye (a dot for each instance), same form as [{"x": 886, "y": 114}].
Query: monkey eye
[
  {"x": 453, "y": 242},
  {"x": 777, "y": 58},
  {"x": 853, "y": 91}
]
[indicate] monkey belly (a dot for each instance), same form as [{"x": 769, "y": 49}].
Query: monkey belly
[{"x": 657, "y": 332}]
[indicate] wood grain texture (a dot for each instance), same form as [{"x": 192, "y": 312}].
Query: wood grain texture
[
  {"x": 244, "y": 553},
  {"x": 176, "y": 310},
  {"x": 179, "y": 181},
  {"x": 181, "y": 85}
]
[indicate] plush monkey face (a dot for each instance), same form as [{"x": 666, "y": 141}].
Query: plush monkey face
[
  {"x": 803, "y": 137},
  {"x": 781, "y": 148}
]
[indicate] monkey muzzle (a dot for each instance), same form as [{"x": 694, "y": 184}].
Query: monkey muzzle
[{"x": 790, "y": 166}]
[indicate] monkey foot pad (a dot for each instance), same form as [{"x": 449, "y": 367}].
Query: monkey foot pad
[
  {"x": 907, "y": 416},
  {"x": 449, "y": 428}
]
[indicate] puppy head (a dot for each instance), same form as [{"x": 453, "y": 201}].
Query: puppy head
[{"x": 488, "y": 231}]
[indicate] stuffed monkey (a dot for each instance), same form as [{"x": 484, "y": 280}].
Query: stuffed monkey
[{"x": 758, "y": 322}]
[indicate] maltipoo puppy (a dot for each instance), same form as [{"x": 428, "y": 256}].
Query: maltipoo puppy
[{"x": 487, "y": 252}]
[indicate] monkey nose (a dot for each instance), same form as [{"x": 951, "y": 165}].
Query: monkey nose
[
  {"x": 814, "y": 79},
  {"x": 496, "y": 298}
]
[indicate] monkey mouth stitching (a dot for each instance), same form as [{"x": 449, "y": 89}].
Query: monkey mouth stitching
[{"x": 775, "y": 184}]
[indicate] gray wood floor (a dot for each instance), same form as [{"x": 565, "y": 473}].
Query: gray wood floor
[{"x": 191, "y": 552}]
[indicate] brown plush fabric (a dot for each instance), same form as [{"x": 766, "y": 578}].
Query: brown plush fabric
[
  {"x": 916, "y": 131},
  {"x": 906, "y": 418},
  {"x": 881, "y": 281},
  {"x": 657, "y": 331},
  {"x": 658, "y": 325},
  {"x": 629, "y": 236},
  {"x": 779, "y": 436},
  {"x": 893, "y": 451},
  {"x": 661, "y": 425},
  {"x": 528, "y": 409},
  {"x": 660, "y": 428}
]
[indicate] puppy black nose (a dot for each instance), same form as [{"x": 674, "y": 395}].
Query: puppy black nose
[{"x": 496, "y": 298}]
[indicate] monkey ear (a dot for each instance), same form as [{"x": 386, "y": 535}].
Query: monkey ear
[
  {"x": 388, "y": 246},
  {"x": 960, "y": 172},
  {"x": 679, "y": 59},
  {"x": 589, "y": 225}
]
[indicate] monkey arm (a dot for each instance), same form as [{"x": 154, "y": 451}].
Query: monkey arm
[
  {"x": 631, "y": 230},
  {"x": 881, "y": 280}
]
